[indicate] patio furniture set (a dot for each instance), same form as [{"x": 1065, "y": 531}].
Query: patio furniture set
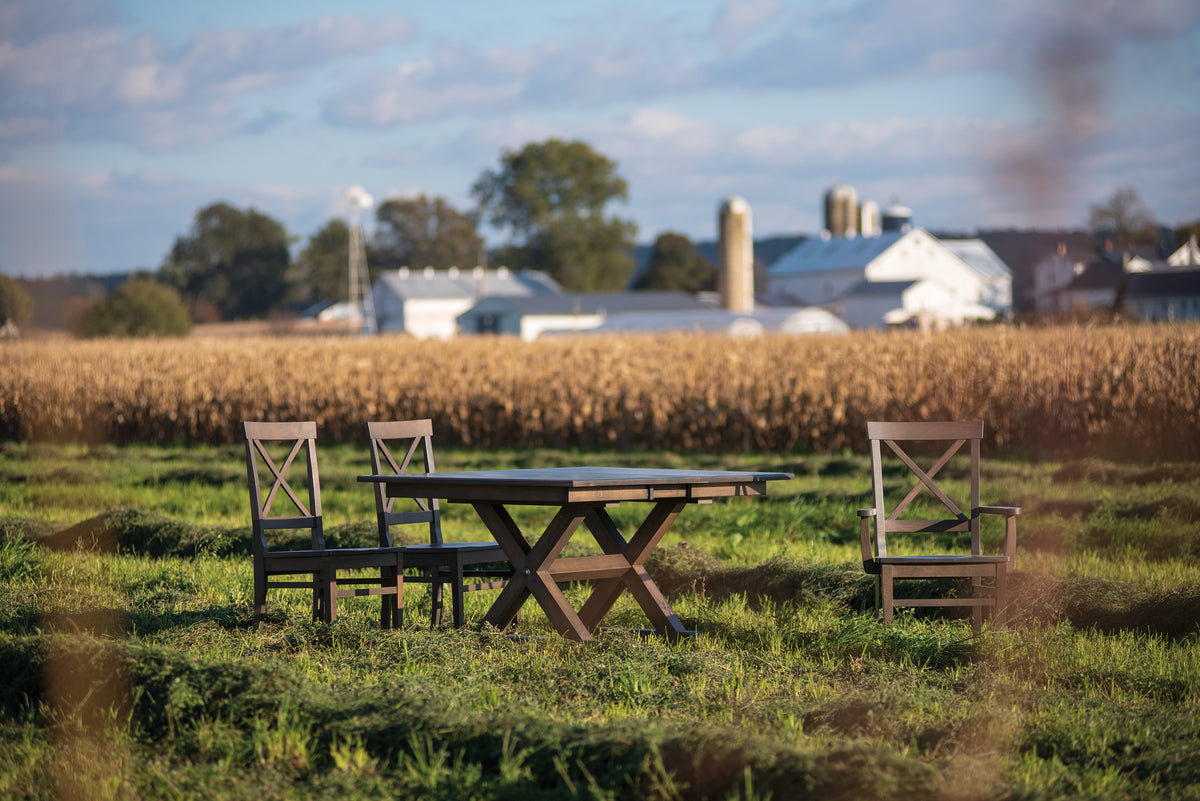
[{"x": 409, "y": 489}]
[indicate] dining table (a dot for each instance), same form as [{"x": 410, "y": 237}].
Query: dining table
[{"x": 580, "y": 496}]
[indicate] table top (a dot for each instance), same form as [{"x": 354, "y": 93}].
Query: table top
[{"x": 585, "y": 484}]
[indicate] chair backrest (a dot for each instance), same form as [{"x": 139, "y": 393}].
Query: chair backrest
[
  {"x": 301, "y": 510},
  {"x": 894, "y": 436},
  {"x": 412, "y": 440}
]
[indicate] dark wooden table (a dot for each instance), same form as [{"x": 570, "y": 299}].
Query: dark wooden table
[{"x": 582, "y": 495}]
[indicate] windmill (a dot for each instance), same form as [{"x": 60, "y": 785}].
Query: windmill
[{"x": 360, "y": 282}]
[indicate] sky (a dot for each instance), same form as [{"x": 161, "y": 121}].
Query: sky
[{"x": 120, "y": 119}]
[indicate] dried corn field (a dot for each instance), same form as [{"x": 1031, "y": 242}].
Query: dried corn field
[{"x": 1120, "y": 391}]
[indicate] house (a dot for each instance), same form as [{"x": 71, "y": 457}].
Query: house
[
  {"x": 1097, "y": 286},
  {"x": 1156, "y": 296},
  {"x": 1052, "y": 274},
  {"x": 939, "y": 286},
  {"x": 427, "y": 303},
  {"x": 533, "y": 315},
  {"x": 1022, "y": 251}
]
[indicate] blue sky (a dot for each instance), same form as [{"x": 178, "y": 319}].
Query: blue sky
[{"x": 119, "y": 119}]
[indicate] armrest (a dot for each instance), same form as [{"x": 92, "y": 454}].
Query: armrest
[
  {"x": 864, "y": 534},
  {"x": 1010, "y": 527},
  {"x": 1007, "y": 511}
]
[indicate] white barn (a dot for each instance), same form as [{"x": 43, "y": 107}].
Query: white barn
[
  {"x": 940, "y": 286},
  {"x": 426, "y": 303}
]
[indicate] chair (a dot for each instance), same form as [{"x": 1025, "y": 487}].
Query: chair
[
  {"x": 319, "y": 563},
  {"x": 440, "y": 562},
  {"x": 889, "y": 566}
]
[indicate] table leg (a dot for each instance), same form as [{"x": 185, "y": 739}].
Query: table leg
[
  {"x": 636, "y": 580},
  {"x": 531, "y": 568}
]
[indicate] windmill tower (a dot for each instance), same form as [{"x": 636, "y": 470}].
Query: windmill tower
[{"x": 360, "y": 282}]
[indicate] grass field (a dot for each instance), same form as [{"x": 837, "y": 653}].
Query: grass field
[{"x": 132, "y": 668}]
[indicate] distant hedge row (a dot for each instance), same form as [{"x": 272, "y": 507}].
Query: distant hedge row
[{"x": 1112, "y": 391}]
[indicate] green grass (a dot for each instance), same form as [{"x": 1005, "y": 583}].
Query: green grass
[{"x": 132, "y": 668}]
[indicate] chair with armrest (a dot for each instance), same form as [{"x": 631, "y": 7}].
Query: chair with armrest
[
  {"x": 882, "y": 553},
  {"x": 271, "y": 450},
  {"x": 439, "y": 562}
]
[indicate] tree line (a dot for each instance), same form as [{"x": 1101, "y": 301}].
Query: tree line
[{"x": 551, "y": 197}]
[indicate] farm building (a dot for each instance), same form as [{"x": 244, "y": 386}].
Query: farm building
[
  {"x": 1173, "y": 295},
  {"x": 426, "y": 303},
  {"x": 944, "y": 284},
  {"x": 760, "y": 320},
  {"x": 532, "y": 315}
]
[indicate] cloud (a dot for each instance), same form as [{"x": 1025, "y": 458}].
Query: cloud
[
  {"x": 585, "y": 72},
  {"x": 739, "y": 20},
  {"x": 88, "y": 79}
]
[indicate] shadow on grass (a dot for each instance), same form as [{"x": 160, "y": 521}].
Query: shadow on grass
[{"x": 1107, "y": 606}]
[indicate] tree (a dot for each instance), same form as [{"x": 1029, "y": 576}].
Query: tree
[
  {"x": 16, "y": 306},
  {"x": 676, "y": 264},
  {"x": 236, "y": 260},
  {"x": 423, "y": 231},
  {"x": 552, "y": 197},
  {"x": 320, "y": 271},
  {"x": 138, "y": 308},
  {"x": 1124, "y": 218}
]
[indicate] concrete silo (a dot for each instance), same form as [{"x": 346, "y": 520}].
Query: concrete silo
[
  {"x": 735, "y": 256},
  {"x": 868, "y": 218},
  {"x": 841, "y": 210}
]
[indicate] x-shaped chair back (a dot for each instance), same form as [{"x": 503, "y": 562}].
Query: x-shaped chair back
[
  {"x": 305, "y": 512},
  {"x": 398, "y": 446},
  {"x": 957, "y": 434}
]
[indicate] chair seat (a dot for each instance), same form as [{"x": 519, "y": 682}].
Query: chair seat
[
  {"x": 941, "y": 559},
  {"x": 303, "y": 560},
  {"x": 457, "y": 547}
]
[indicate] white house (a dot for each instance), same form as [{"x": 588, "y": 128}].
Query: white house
[
  {"x": 942, "y": 287},
  {"x": 426, "y": 303}
]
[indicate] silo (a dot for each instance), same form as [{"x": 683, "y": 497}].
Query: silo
[
  {"x": 897, "y": 218},
  {"x": 868, "y": 218},
  {"x": 735, "y": 256},
  {"x": 841, "y": 210}
]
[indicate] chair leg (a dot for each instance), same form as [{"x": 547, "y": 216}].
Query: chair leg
[
  {"x": 456, "y": 594},
  {"x": 329, "y": 591},
  {"x": 1000, "y": 612},
  {"x": 435, "y": 597},
  {"x": 260, "y": 596},
  {"x": 885, "y": 589},
  {"x": 387, "y": 606},
  {"x": 976, "y": 609},
  {"x": 391, "y": 614}
]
